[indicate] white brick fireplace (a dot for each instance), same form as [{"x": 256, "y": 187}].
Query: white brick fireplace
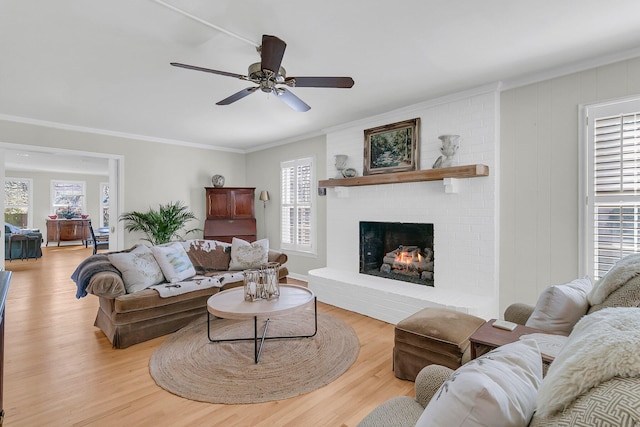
[{"x": 465, "y": 222}]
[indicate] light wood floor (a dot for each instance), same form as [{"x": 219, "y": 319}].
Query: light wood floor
[{"x": 61, "y": 371}]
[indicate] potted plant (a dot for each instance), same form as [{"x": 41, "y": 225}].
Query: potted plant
[{"x": 162, "y": 225}]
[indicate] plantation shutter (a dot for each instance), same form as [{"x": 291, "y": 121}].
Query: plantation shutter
[
  {"x": 616, "y": 189},
  {"x": 296, "y": 207},
  {"x": 287, "y": 215}
]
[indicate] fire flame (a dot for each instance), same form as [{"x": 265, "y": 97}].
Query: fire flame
[{"x": 405, "y": 257}]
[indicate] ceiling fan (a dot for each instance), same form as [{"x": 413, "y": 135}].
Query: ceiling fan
[{"x": 269, "y": 76}]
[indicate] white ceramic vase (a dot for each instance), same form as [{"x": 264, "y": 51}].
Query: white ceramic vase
[
  {"x": 341, "y": 164},
  {"x": 450, "y": 145}
]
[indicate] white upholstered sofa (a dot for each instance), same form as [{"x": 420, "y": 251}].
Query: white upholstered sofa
[{"x": 594, "y": 379}]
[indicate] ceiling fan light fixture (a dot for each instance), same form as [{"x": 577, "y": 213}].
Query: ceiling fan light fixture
[
  {"x": 268, "y": 73},
  {"x": 267, "y": 86}
]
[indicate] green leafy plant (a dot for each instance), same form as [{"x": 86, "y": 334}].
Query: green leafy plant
[{"x": 162, "y": 225}]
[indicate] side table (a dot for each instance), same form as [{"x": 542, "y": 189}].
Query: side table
[{"x": 486, "y": 338}]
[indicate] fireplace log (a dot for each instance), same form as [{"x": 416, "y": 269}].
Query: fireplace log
[
  {"x": 426, "y": 275},
  {"x": 413, "y": 265},
  {"x": 389, "y": 259}
]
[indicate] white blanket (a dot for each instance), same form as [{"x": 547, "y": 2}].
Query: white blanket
[
  {"x": 195, "y": 283},
  {"x": 602, "y": 345}
]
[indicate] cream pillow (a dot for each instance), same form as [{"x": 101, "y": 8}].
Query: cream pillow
[
  {"x": 248, "y": 255},
  {"x": 139, "y": 268},
  {"x": 497, "y": 389},
  {"x": 173, "y": 261},
  {"x": 622, "y": 271},
  {"x": 559, "y": 307}
]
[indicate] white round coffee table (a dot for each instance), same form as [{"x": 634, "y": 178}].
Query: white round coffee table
[{"x": 230, "y": 304}]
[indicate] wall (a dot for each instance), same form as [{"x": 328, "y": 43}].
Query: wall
[
  {"x": 465, "y": 224},
  {"x": 539, "y": 200},
  {"x": 263, "y": 172},
  {"x": 42, "y": 194},
  {"x": 154, "y": 172},
  {"x": 538, "y": 175}
]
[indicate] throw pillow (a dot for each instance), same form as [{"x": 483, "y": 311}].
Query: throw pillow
[
  {"x": 107, "y": 284},
  {"x": 559, "y": 307},
  {"x": 173, "y": 261},
  {"x": 496, "y": 389},
  {"x": 622, "y": 271},
  {"x": 139, "y": 268},
  {"x": 248, "y": 255},
  {"x": 208, "y": 255},
  {"x": 603, "y": 345}
]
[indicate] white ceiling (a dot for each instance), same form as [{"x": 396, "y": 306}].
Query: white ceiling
[
  {"x": 39, "y": 161},
  {"x": 105, "y": 64}
]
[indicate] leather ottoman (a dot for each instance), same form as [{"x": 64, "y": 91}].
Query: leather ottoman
[{"x": 432, "y": 336}]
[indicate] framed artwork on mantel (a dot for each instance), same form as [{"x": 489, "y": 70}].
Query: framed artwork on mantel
[{"x": 392, "y": 148}]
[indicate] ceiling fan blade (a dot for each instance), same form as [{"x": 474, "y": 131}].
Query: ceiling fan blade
[
  {"x": 336, "y": 82},
  {"x": 291, "y": 100},
  {"x": 238, "y": 95},
  {"x": 209, "y": 70},
  {"x": 271, "y": 52}
]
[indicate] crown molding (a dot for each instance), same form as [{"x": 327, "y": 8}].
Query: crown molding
[
  {"x": 574, "y": 67},
  {"x": 74, "y": 128}
]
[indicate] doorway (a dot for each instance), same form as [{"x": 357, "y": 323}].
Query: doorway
[{"x": 72, "y": 161}]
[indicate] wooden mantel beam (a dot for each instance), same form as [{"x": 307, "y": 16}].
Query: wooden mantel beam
[{"x": 468, "y": 171}]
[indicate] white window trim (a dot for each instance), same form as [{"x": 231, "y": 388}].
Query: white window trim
[
  {"x": 294, "y": 248},
  {"x": 586, "y": 117},
  {"x": 30, "y": 206}
]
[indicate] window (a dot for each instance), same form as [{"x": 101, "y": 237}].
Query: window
[
  {"x": 67, "y": 198},
  {"x": 297, "y": 205},
  {"x": 18, "y": 202},
  {"x": 104, "y": 204},
  {"x": 612, "y": 214}
]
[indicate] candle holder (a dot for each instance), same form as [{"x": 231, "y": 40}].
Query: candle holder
[
  {"x": 253, "y": 288},
  {"x": 270, "y": 280}
]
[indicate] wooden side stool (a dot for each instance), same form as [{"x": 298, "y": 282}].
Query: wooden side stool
[{"x": 432, "y": 336}]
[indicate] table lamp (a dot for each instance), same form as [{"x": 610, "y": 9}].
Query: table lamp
[{"x": 264, "y": 196}]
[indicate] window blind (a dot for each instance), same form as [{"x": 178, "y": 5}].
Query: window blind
[
  {"x": 296, "y": 206},
  {"x": 616, "y": 189}
]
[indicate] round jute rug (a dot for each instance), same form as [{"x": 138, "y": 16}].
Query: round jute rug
[{"x": 188, "y": 365}]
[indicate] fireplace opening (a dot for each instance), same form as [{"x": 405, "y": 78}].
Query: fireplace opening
[{"x": 397, "y": 250}]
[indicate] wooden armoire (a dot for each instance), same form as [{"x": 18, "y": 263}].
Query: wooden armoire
[{"x": 230, "y": 213}]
